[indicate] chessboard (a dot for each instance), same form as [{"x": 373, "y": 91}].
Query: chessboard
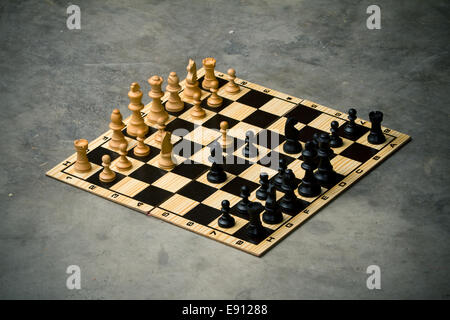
[{"x": 184, "y": 197}]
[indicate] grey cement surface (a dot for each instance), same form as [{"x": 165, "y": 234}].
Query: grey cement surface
[{"x": 57, "y": 85}]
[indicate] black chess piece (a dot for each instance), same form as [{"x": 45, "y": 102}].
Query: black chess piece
[
  {"x": 282, "y": 166},
  {"x": 376, "y": 135},
  {"x": 255, "y": 228},
  {"x": 315, "y": 140},
  {"x": 288, "y": 181},
  {"x": 261, "y": 193},
  {"x": 216, "y": 153},
  {"x": 325, "y": 173},
  {"x": 351, "y": 129},
  {"x": 289, "y": 202},
  {"x": 226, "y": 220},
  {"x": 272, "y": 213},
  {"x": 250, "y": 150},
  {"x": 335, "y": 140},
  {"x": 242, "y": 204},
  {"x": 309, "y": 187},
  {"x": 216, "y": 174},
  {"x": 292, "y": 134}
]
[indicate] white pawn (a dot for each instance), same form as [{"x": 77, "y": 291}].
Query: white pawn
[
  {"x": 107, "y": 175},
  {"x": 174, "y": 103},
  {"x": 231, "y": 86},
  {"x": 214, "y": 100},
  {"x": 141, "y": 150},
  {"x": 123, "y": 163}
]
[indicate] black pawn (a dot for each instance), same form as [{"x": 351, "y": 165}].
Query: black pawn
[
  {"x": 282, "y": 166},
  {"x": 376, "y": 135},
  {"x": 335, "y": 140},
  {"x": 261, "y": 193},
  {"x": 292, "y": 145},
  {"x": 272, "y": 213},
  {"x": 289, "y": 202},
  {"x": 216, "y": 174},
  {"x": 325, "y": 173},
  {"x": 350, "y": 129},
  {"x": 288, "y": 181},
  {"x": 242, "y": 204},
  {"x": 309, "y": 186},
  {"x": 216, "y": 153},
  {"x": 255, "y": 228},
  {"x": 250, "y": 150},
  {"x": 226, "y": 220},
  {"x": 315, "y": 140}
]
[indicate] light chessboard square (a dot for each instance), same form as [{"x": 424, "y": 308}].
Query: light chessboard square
[
  {"x": 83, "y": 175},
  {"x": 215, "y": 200},
  {"x": 171, "y": 182},
  {"x": 277, "y": 107},
  {"x": 237, "y": 111},
  {"x": 129, "y": 186},
  {"x": 179, "y": 204}
]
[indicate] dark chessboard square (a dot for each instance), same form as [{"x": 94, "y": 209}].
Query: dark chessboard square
[
  {"x": 147, "y": 173},
  {"x": 197, "y": 191},
  {"x": 95, "y": 156},
  {"x": 359, "y": 152},
  {"x": 202, "y": 214},
  {"x": 255, "y": 99},
  {"x": 151, "y": 130},
  {"x": 177, "y": 125},
  {"x": 190, "y": 169},
  {"x": 187, "y": 106},
  {"x": 271, "y": 160},
  {"x": 236, "y": 165},
  {"x": 303, "y": 113},
  {"x": 225, "y": 103},
  {"x": 360, "y": 131},
  {"x": 269, "y": 139},
  {"x": 222, "y": 82},
  {"x": 261, "y": 119},
  {"x": 242, "y": 234},
  {"x": 153, "y": 196},
  {"x": 214, "y": 122},
  {"x": 153, "y": 153},
  {"x": 95, "y": 179},
  {"x": 186, "y": 148},
  {"x": 306, "y": 133},
  {"x": 234, "y": 186}
]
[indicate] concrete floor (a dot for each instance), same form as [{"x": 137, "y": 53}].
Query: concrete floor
[{"x": 57, "y": 85}]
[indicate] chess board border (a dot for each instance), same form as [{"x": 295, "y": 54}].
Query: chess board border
[{"x": 398, "y": 140}]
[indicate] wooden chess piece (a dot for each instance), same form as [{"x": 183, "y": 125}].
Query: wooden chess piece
[
  {"x": 231, "y": 86},
  {"x": 82, "y": 164},
  {"x": 191, "y": 82},
  {"x": 107, "y": 175},
  {"x": 136, "y": 121},
  {"x": 174, "y": 103},
  {"x": 141, "y": 150},
  {"x": 210, "y": 77},
  {"x": 214, "y": 100},
  {"x": 197, "y": 111},
  {"x": 156, "y": 108},
  {"x": 161, "y": 130},
  {"x": 165, "y": 159},
  {"x": 226, "y": 140},
  {"x": 123, "y": 163},
  {"x": 116, "y": 125}
]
